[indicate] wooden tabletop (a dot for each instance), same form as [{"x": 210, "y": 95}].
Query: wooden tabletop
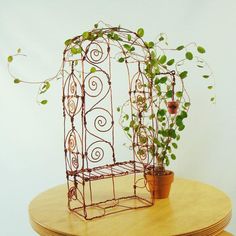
[{"x": 193, "y": 208}]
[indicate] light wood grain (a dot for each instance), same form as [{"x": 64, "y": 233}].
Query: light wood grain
[
  {"x": 193, "y": 208},
  {"x": 225, "y": 233}
]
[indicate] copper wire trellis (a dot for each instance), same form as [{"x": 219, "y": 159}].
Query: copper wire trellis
[{"x": 89, "y": 134}]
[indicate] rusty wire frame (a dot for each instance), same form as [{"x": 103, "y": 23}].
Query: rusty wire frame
[{"x": 89, "y": 135}]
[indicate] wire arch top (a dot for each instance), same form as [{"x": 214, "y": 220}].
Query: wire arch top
[{"x": 123, "y": 39}]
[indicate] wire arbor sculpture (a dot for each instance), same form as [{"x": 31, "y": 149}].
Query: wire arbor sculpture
[
  {"x": 157, "y": 105},
  {"x": 89, "y": 134}
]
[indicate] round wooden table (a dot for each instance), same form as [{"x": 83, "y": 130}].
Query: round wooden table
[{"x": 193, "y": 208}]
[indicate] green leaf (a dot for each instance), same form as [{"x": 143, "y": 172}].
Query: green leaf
[
  {"x": 187, "y": 104},
  {"x": 100, "y": 34},
  {"x": 200, "y": 66},
  {"x": 169, "y": 93},
  {"x": 173, "y": 157},
  {"x": 167, "y": 161},
  {"x": 85, "y": 35},
  {"x": 163, "y": 80},
  {"x": 180, "y": 47},
  {"x": 136, "y": 127},
  {"x": 127, "y": 46},
  {"x": 154, "y": 62},
  {"x": 171, "y": 133},
  {"x": 45, "y": 87},
  {"x": 121, "y": 59},
  {"x": 10, "y": 59},
  {"x": 210, "y": 87},
  {"x": 126, "y": 116},
  {"x": 79, "y": 50},
  {"x": 17, "y": 81},
  {"x": 152, "y": 116},
  {"x": 201, "y": 49},
  {"x": 44, "y": 102},
  {"x": 168, "y": 148},
  {"x": 150, "y": 44},
  {"x": 142, "y": 139},
  {"x": 116, "y": 37},
  {"x": 183, "y": 74},
  {"x": 118, "y": 109},
  {"x": 18, "y": 50},
  {"x": 184, "y": 114},
  {"x": 153, "y": 55},
  {"x": 161, "y": 112},
  {"x": 175, "y": 145},
  {"x": 132, "y": 123},
  {"x": 212, "y": 99},
  {"x": 205, "y": 76},
  {"x": 161, "y": 119},
  {"x": 170, "y": 62},
  {"x": 126, "y": 128},
  {"x": 68, "y": 42},
  {"x": 161, "y": 38},
  {"x": 179, "y": 94},
  {"x": 189, "y": 55},
  {"x": 156, "y": 82},
  {"x": 163, "y": 59},
  {"x": 92, "y": 70},
  {"x": 132, "y": 49},
  {"x": 181, "y": 127},
  {"x": 140, "y": 32},
  {"x": 177, "y": 137},
  {"x": 155, "y": 140},
  {"x": 95, "y": 26},
  {"x": 179, "y": 120},
  {"x": 129, "y": 37},
  {"x": 151, "y": 128},
  {"x": 73, "y": 50}
]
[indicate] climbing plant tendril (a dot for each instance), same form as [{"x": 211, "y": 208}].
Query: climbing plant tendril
[{"x": 158, "y": 98}]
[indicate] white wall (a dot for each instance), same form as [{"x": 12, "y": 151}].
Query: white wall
[{"x": 31, "y": 138}]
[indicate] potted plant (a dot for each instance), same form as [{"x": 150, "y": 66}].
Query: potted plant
[
  {"x": 158, "y": 98},
  {"x": 161, "y": 105}
]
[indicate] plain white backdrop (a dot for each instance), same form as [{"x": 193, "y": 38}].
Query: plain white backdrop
[{"x": 31, "y": 136}]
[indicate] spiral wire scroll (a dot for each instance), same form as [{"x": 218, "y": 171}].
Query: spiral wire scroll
[{"x": 98, "y": 119}]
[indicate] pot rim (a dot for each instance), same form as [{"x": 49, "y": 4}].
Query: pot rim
[{"x": 167, "y": 173}]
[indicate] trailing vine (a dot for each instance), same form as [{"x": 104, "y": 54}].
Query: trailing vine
[{"x": 158, "y": 99}]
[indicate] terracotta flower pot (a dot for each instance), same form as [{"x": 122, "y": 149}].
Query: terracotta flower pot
[
  {"x": 172, "y": 107},
  {"x": 159, "y": 185}
]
